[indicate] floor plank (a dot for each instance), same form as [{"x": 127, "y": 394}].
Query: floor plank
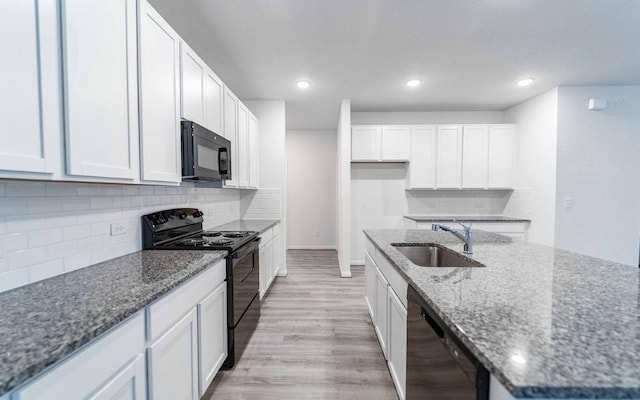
[{"x": 314, "y": 341}]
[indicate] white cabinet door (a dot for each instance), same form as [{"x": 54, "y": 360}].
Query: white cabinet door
[
  {"x": 29, "y": 78},
  {"x": 212, "y": 335},
  {"x": 370, "y": 285},
  {"x": 101, "y": 92},
  {"x": 396, "y": 143},
  {"x": 159, "y": 98},
  {"x": 262, "y": 255},
  {"x": 382, "y": 314},
  {"x": 365, "y": 143},
  {"x": 397, "y": 344},
  {"x": 277, "y": 253},
  {"x": 254, "y": 152},
  {"x": 475, "y": 156},
  {"x": 502, "y": 153},
  {"x": 128, "y": 384},
  {"x": 243, "y": 146},
  {"x": 422, "y": 164},
  {"x": 193, "y": 84},
  {"x": 104, "y": 369},
  {"x": 449, "y": 157},
  {"x": 213, "y": 102},
  {"x": 231, "y": 133},
  {"x": 173, "y": 362}
]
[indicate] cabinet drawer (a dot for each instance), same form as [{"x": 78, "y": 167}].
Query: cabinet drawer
[
  {"x": 371, "y": 248},
  {"x": 165, "y": 312},
  {"x": 266, "y": 237},
  {"x": 396, "y": 281},
  {"x": 80, "y": 375},
  {"x": 276, "y": 230}
]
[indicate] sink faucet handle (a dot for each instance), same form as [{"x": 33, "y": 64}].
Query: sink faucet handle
[{"x": 466, "y": 227}]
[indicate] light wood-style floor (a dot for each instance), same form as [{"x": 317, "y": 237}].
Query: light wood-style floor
[{"x": 314, "y": 340}]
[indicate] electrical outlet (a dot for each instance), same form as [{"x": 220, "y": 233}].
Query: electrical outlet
[
  {"x": 363, "y": 206},
  {"x": 119, "y": 228},
  {"x": 568, "y": 203},
  {"x": 317, "y": 234},
  {"x": 232, "y": 209}
]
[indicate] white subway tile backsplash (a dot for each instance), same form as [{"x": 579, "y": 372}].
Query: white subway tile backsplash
[
  {"x": 45, "y": 270},
  {"x": 24, "y": 258},
  {"x": 54, "y": 227},
  {"x": 44, "y": 205},
  {"x": 12, "y": 207},
  {"x": 45, "y": 237},
  {"x": 13, "y": 279},
  {"x": 25, "y": 189},
  {"x": 15, "y": 242}
]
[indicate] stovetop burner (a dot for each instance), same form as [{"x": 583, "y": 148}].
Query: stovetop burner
[
  {"x": 193, "y": 242},
  {"x": 221, "y": 241},
  {"x": 211, "y": 233},
  {"x": 235, "y": 234}
]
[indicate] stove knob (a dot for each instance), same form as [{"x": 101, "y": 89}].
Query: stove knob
[
  {"x": 182, "y": 215},
  {"x": 198, "y": 214}
]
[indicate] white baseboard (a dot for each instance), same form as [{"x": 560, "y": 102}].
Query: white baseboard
[
  {"x": 345, "y": 274},
  {"x": 357, "y": 262},
  {"x": 295, "y": 247},
  {"x": 282, "y": 273}
]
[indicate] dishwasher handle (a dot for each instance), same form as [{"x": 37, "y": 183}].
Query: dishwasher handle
[{"x": 432, "y": 323}]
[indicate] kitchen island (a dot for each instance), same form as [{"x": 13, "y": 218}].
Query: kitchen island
[{"x": 546, "y": 323}]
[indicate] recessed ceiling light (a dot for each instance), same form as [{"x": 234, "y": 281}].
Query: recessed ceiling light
[
  {"x": 525, "y": 82},
  {"x": 413, "y": 82},
  {"x": 518, "y": 358},
  {"x": 303, "y": 84}
]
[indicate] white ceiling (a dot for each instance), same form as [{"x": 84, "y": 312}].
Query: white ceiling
[{"x": 469, "y": 53}]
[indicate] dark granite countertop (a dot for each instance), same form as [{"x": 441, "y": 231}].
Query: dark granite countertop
[
  {"x": 46, "y": 321},
  {"x": 547, "y": 323},
  {"x": 257, "y": 225},
  {"x": 465, "y": 218}
]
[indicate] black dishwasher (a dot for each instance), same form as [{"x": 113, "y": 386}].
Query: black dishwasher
[{"x": 439, "y": 367}]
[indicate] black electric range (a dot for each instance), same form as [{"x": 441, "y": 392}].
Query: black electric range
[{"x": 181, "y": 229}]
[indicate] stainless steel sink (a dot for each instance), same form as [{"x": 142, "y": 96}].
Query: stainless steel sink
[{"x": 433, "y": 255}]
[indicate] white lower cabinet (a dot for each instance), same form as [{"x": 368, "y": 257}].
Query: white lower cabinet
[
  {"x": 212, "y": 335},
  {"x": 173, "y": 362},
  {"x": 370, "y": 290},
  {"x": 382, "y": 320},
  {"x": 385, "y": 292},
  {"x": 111, "y": 368},
  {"x": 397, "y": 342},
  {"x": 270, "y": 258}
]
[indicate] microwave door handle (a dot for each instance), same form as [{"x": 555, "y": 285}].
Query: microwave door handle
[{"x": 225, "y": 170}]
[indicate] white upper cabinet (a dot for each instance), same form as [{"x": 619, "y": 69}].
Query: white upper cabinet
[
  {"x": 449, "y": 157},
  {"x": 254, "y": 151},
  {"x": 396, "y": 143},
  {"x": 365, "y": 143},
  {"x": 213, "y": 102},
  {"x": 30, "y": 78},
  {"x": 193, "y": 85},
  {"x": 475, "y": 156},
  {"x": 231, "y": 133},
  {"x": 380, "y": 143},
  {"x": 243, "y": 146},
  {"x": 502, "y": 153},
  {"x": 422, "y": 164},
  {"x": 159, "y": 98},
  {"x": 101, "y": 92}
]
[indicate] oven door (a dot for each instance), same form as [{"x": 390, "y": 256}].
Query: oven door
[
  {"x": 246, "y": 279},
  {"x": 206, "y": 155}
]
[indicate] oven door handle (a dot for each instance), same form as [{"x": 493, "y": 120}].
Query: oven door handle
[{"x": 251, "y": 247}]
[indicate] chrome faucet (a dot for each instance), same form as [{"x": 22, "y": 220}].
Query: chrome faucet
[{"x": 466, "y": 236}]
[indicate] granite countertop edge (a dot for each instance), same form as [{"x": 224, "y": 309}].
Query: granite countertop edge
[
  {"x": 518, "y": 391},
  {"x": 465, "y": 218},
  {"x": 24, "y": 376},
  {"x": 257, "y": 225}
]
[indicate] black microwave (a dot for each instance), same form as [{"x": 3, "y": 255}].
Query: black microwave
[{"x": 206, "y": 156}]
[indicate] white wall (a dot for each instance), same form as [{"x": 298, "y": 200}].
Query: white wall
[
  {"x": 273, "y": 163},
  {"x": 47, "y": 229},
  {"x": 536, "y": 169},
  {"x": 311, "y": 219},
  {"x": 344, "y": 188},
  {"x": 599, "y": 169},
  {"x": 427, "y": 117}
]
